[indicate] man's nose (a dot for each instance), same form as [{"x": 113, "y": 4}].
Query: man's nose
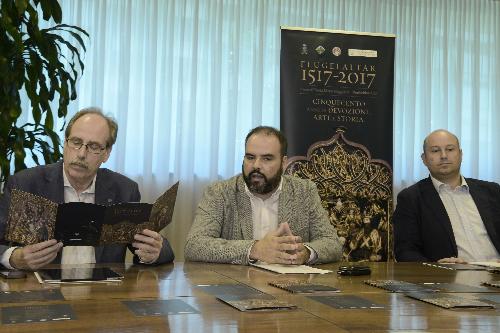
[
  {"x": 82, "y": 152},
  {"x": 257, "y": 163},
  {"x": 444, "y": 155}
]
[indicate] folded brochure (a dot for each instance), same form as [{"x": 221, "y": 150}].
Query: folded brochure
[{"x": 262, "y": 302}]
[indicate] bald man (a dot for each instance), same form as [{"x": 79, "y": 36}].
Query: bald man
[{"x": 446, "y": 217}]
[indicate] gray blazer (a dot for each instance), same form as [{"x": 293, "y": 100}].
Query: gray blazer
[
  {"x": 222, "y": 230},
  {"x": 111, "y": 187}
]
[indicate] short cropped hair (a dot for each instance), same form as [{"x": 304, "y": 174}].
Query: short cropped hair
[
  {"x": 112, "y": 125},
  {"x": 268, "y": 130}
]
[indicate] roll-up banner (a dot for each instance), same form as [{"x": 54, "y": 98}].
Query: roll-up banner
[{"x": 337, "y": 114}]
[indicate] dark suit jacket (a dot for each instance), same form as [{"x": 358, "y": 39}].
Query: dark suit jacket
[
  {"x": 422, "y": 228},
  {"x": 111, "y": 187}
]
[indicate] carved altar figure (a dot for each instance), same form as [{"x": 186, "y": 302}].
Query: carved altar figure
[{"x": 355, "y": 190}]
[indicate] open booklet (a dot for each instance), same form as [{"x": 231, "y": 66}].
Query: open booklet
[{"x": 33, "y": 219}]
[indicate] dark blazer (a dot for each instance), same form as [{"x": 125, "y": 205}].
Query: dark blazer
[
  {"x": 111, "y": 187},
  {"x": 422, "y": 228}
]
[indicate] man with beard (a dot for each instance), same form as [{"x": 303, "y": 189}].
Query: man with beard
[
  {"x": 89, "y": 138},
  {"x": 262, "y": 215},
  {"x": 446, "y": 217}
]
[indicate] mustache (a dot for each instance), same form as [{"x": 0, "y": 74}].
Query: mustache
[
  {"x": 256, "y": 172},
  {"x": 80, "y": 164}
]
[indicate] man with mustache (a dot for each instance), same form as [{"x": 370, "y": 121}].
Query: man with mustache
[
  {"x": 89, "y": 138},
  {"x": 446, "y": 217},
  {"x": 261, "y": 214}
]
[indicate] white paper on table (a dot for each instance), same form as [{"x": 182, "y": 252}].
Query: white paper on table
[
  {"x": 492, "y": 264},
  {"x": 290, "y": 269}
]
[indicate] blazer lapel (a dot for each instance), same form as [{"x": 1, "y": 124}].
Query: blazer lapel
[
  {"x": 54, "y": 187},
  {"x": 434, "y": 204},
  {"x": 243, "y": 213},
  {"x": 103, "y": 191},
  {"x": 284, "y": 203}
]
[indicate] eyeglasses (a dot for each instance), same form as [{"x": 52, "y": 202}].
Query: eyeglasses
[{"x": 93, "y": 147}]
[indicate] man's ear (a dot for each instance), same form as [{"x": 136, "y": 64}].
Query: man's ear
[
  {"x": 106, "y": 154},
  {"x": 423, "y": 159},
  {"x": 284, "y": 160}
]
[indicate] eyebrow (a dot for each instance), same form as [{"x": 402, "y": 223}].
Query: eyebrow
[
  {"x": 449, "y": 145},
  {"x": 92, "y": 142},
  {"x": 89, "y": 142},
  {"x": 265, "y": 155}
]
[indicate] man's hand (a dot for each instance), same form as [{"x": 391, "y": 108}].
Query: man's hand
[
  {"x": 35, "y": 256},
  {"x": 280, "y": 247},
  {"x": 452, "y": 260},
  {"x": 148, "y": 246},
  {"x": 303, "y": 255}
]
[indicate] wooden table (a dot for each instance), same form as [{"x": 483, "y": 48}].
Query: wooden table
[{"x": 99, "y": 307}]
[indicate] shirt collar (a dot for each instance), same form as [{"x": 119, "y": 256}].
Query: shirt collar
[
  {"x": 273, "y": 196},
  {"x": 439, "y": 186},
  {"x": 90, "y": 189}
]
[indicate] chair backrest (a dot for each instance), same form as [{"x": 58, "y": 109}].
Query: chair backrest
[{"x": 355, "y": 190}]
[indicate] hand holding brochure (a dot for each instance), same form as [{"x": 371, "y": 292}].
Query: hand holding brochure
[{"x": 33, "y": 219}]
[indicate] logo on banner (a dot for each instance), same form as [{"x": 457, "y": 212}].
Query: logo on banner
[
  {"x": 320, "y": 50},
  {"x": 304, "y": 50},
  {"x": 336, "y": 51}
]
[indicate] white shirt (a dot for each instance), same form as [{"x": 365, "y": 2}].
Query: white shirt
[
  {"x": 265, "y": 216},
  {"x": 264, "y": 213},
  {"x": 70, "y": 254},
  {"x": 473, "y": 242}
]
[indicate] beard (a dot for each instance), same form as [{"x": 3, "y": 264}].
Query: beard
[{"x": 263, "y": 185}]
